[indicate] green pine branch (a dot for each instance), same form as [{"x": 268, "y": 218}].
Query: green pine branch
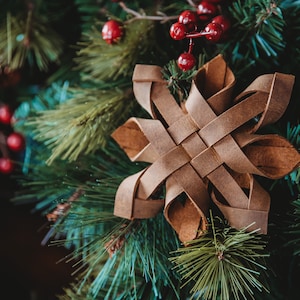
[
  {"x": 139, "y": 269},
  {"x": 96, "y": 176},
  {"x": 293, "y": 230},
  {"x": 223, "y": 264},
  {"x": 82, "y": 124},
  {"x": 256, "y": 35},
  {"x": 99, "y": 61},
  {"x": 179, "y": 82},
  {"x": 29, "y": 38}
]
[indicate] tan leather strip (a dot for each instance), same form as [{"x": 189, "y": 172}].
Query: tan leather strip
[
  {"x": 125, "y": 195},
  {"x": 188, "y": 217},
  {"x": 182, "y": 128},
  {"x": 259, "y": 197},
  {"x": 206, "y": 162},
  {"x": 193, "y": 186},
  {"x": 166, "y": 104},
  {"x": 216, "y": 81},
  {"x": 147, "y": 73},
  {"x": 198, "y": 108},
  {"x": 144, "y": 209},
  {"x": 229, "y": 188},
  {"x": 231, "y": 153},
  {"x": 141, "y": 150},
  {"x": 193, "y": 145},
  {"x": 273, "y": 154},
  {"x": 274, "y": 161},
  {"x": 128, "y": 206},
  {"x": 239, "y": 218},
  {"x": 233, "y": 118},
  {"x": 156, "y": 134},
  {"x": 161, "y": 169},
  {"x": 279, "y": 88},
  {"x": 142, "y": 94},
  {"x": 185, "y": 219},
  {"x": 212, "y": 87}
]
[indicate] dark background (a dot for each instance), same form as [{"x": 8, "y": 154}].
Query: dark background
[{"x": 28, "y": 270}]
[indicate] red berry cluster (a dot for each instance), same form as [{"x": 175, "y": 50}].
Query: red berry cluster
[
  {"x": 13, "y": 141},
  {"x": 205, "y": 21}
]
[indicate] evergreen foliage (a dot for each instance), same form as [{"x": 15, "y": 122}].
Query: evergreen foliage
[
  {"x": 223, "y": 264},
  {"x": 93, "y": 115},
  {"x": 27, "y": 38},
  {"x": 77, "y": 89},
  {"x": 98, "y": 61},
  {"x": 294, "y": 241}
]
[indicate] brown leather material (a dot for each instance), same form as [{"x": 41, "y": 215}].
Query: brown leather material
[{"x": 207, "y": 144}]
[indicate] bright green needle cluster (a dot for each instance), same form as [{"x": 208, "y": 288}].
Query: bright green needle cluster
[{"x": 223, "y": 264}]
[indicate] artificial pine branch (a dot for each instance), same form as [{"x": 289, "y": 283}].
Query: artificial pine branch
[
  {"x": 179, "y": 82},
  {"x": 223, "y": 264},
  {"x": 256, "y": 36},
  {"x": 97, "y": 177},
  {"x": 141, "y": 260},
  {"x": 41, "y": 100},
  {"x": 89, "y": 11},
  {"x": 82, "y": 124},
  {"x": 291, "y": 58},
  {"x": 29, "y": 38},
  {"x": 294, "y": 229},
  {"x": 293, "y": 135},
  {"x": 99, "y": 61}
]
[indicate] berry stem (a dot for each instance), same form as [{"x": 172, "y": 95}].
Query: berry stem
[
  {"x": 191, "y": 45},
  {"x": 191, "y": 3},
  {"x": 199, "y": 34},
  {"x": 160, "y": 16}
]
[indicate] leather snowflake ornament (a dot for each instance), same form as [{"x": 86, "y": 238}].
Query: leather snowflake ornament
[{"x": 205, "y": 150}]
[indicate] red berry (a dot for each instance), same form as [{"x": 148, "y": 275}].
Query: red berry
[
  {"x": 178, "y": 31},
  {"x": 15, "y": 141},
  {"x": 213, "y": 32},
  {"x": 206, "y": 10},
  {"x": 223, "y": 21},
  {"x": 5, "y": 114},
  {"x": 6, "y": 165},
  {"x": 186, "y": 61},
  {"x": 189, "y": 19},
  {"x": 112, "y": 31}
]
